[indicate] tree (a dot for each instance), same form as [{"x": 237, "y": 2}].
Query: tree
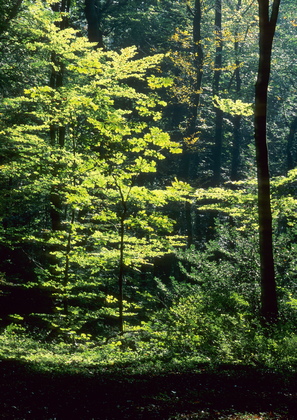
[
  {"x": 267, "y": 25},
  {"x": 86, "y": 205}
]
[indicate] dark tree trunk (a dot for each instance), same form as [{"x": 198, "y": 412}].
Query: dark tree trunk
[
  {"x": 57, "y": 140},
  {"x": 188, "y": 156},
  {"x": 269, "y": 306},
  {"x": 121, "y": 260},
  {"x": 191, "y": 132},
  {"x": 218, "y": 136},
  {"x": 237, "y": 119},
  {"x": 198, "y": 66},
  {"x": 62, "y": 6},
  {"x": 57, "y": 135},
  {"x": 67, "y": 266},
  {"x": 93, "y": 16},
  {"x": 291, "y": 160},
  {"x": 121, "y": 271},
  {"x": 234, "y": 176},
  {"x": 55, "y": 208}
]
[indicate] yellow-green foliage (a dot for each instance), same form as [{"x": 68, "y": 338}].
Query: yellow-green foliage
[
  {"x": 240, "y": 201},
  {"x": 236, "y": 107},
  {"x": 107, "y": 109}
]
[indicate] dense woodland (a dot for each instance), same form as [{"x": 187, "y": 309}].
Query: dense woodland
[{"x": 137, "y": 202}]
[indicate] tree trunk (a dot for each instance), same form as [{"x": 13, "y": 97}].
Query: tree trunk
[
  {"x": 237, "y": 119},
  {"x": 218, "y": 137},
  {"x": 191, "y": 132},
  {"x": 121, "y": 271},
  {"x": 269, "y": 306},
  {"x": 290, "y": 145},
  {"x": 57, "y": 140},
  {"x": 198, "y": 66},
  {"x": 234, "y": 176},
  {"x": 188, "y": 156},
  {"x": 93, "y": 16}
]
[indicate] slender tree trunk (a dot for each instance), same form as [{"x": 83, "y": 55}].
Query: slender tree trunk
[
  {"x": 218, "y": 137},
  {"x": 234, "y": 176},
  {"x": 121, "y": 271},
  {"x": 290, "y": 145},
  {"x": 121, "y": 256},
  {"x": 269, "y": 306},
  {"x": 187, "y": 158},
  {"x": 198, "y": 65},
  {"x": 191, "y": 132},
  {"x": 67, "y": 265},
  {"x": 237, "y": 119},
  {"x": 57, "y": 140},
  {"x": 57, "y": 135}
]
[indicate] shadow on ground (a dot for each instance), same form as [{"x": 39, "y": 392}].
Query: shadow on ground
[{"x": 211, "y": 394}]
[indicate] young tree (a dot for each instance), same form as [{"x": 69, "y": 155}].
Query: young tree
[{"x": 93, "y": 217}]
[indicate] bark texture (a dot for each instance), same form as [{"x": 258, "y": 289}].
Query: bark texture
[{"x": 267, "y": 24}]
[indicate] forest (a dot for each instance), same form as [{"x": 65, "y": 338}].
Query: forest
[{"x": 148, "y": 174}]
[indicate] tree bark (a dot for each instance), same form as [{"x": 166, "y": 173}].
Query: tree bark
[
  {"x": 218, "y": 137},
  {"x": 93, "y": 16},
  {"x": 269, "y": 305}
]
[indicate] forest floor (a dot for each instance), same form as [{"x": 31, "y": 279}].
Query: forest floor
[{"x": 224, "y": 392}]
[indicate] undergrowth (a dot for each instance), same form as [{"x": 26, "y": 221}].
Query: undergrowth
[{"x": 149, "y": 351}]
